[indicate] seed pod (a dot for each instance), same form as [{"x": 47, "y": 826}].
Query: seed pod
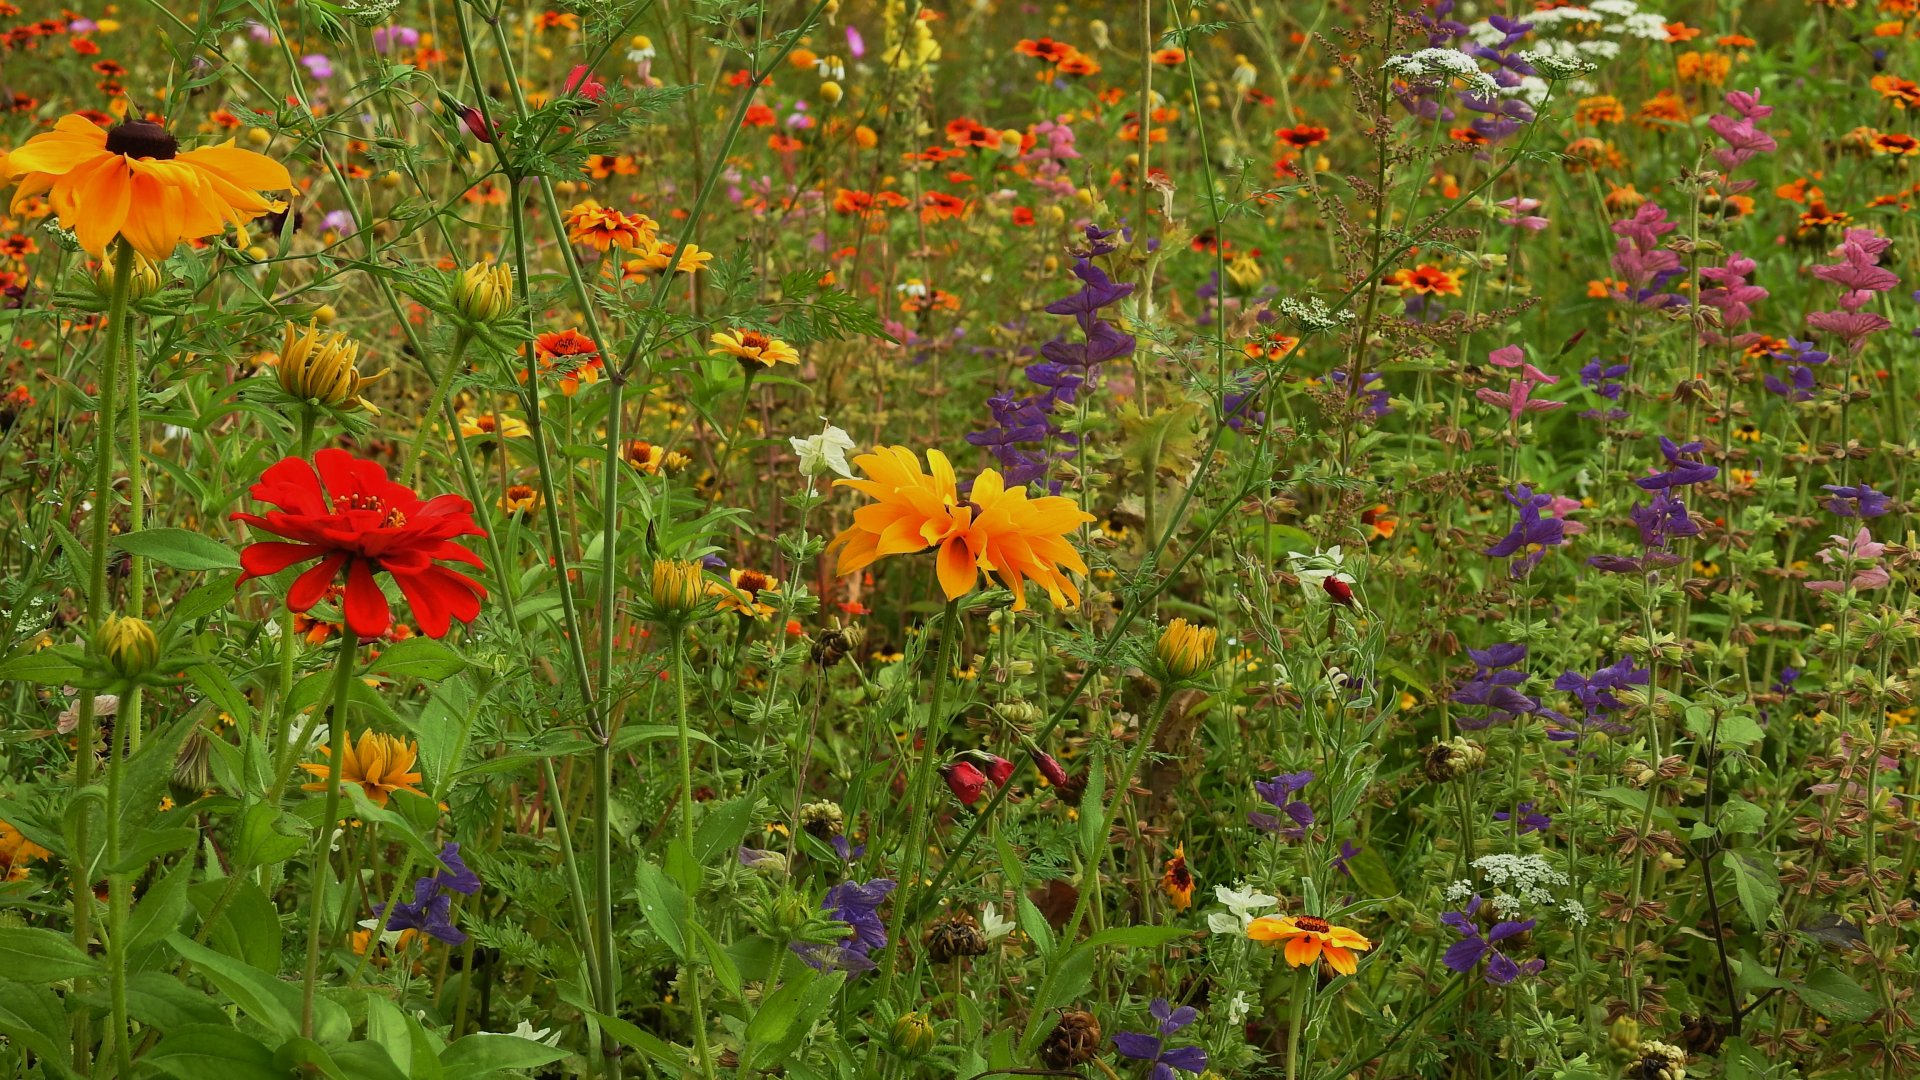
[
  {"x": 1075, "y": 1040},
  {"x": 954, "y": 937}
]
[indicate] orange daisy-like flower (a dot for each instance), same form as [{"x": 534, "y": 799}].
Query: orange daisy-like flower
[
  {"x": 1177, "y": 881},
  {"x": 573, "y": 354},
  {"x": 995, "y": 529},
  {"x": 601, "y": 228},
  {"x": 134, "y": 183},
  {"x": 1903, "y": 93},
  {"x": 380, "y": 764},
  {"x": 1307, "y": 938},
  {"x": 1427, "y": 280},
  {"x": 1302, "y": 136}
]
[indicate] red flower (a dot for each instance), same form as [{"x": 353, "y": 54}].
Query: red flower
[
  {"x": 1050, "y": 768},
  {"x": 351, "y": 517},
  {"x": 965, "y": 781}
]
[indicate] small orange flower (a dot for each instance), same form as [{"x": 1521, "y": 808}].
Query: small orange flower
[
  {"x": 1177, "y": 880},
  {"x": 1308, "y": 937},
  {"x": 598, "y": 227},
  {"x": 1427, "y": 280}
]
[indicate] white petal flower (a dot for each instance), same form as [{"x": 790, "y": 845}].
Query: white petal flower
[
  {"x": 992, "y": 926},
  {"x": 825, "y": 452}
]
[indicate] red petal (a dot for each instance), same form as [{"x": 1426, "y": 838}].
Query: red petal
[
  {"x": 366, "y": 606},
  {"x": 309, "y": 587},
  {"x": 272, "y": 556}
]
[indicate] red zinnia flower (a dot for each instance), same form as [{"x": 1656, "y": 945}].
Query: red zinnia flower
[{"x": 351, "y": 517}]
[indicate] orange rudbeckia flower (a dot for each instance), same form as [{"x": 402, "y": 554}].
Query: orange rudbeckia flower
[
  {"x": 1307, "y": 938},
  {"x": 380, "y": 764},
  {"x": 995, "y": 529},
  {"x": 133, "y": 182}
]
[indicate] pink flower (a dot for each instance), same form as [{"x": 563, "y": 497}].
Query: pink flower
[
  {"x": 1517, "y": 399},
  {"x": 1520, "y": 213},
  {"x": 1514, "y": 356},
  {"x": 1859, "y": 556}
]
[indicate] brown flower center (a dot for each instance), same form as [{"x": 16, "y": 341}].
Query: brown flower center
[
  {"x": 142, "y": 139},
  {"x": 1312, "y": 924}
]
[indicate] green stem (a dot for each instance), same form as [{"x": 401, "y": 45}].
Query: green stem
[
  {"x": 323, "y": 860},
  {"x": 918, "y": 795},
  {"x": 104, "y": 408},
  {"x": 702, "y": 1056},
  {"x": 126, "y": 724}
]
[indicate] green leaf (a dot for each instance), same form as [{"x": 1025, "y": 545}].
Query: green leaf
[
  {"x": 1833, "y": 995},
  {"x": 1756, "y": 883},
  {"x": 179, "y": 549},
  {"x": 631, "y": 1034},
  {"x": 34, "y": 1017},
  {"x": 723, "y": 827},
  {"x": 1035, "y": 925},
  {"x": 483, "y": 1054},
  {"x": 419, "y": 658},
  {"x": 41, "y": 956},
  {"x": 160, "y": 1000},
  {"x": 201, "y": 601},
  {"x": 268, "y": 835},
  {"x": 662, "y": 904},
  {"x": 198, "y": 1051},
  {"x": 1133, "y": 937},
  {"x": 159, "y": 912},
  {"x": 787, "y": 1015},
  {"x": 47, "y": 667},
  {"x": 264, "y": 998}
]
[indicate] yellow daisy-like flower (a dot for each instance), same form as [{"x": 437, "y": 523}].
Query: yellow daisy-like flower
[
  {"x": 1307, "y": 938},
  {"x": 134, "y": 183},
  {"x": 490, "y": 424},
  {"x": 380, "y": 764},
  {"x": 995, "y": 529},
  {"x": 752, "y": 346},
  {"x": 742, "y": 595},
  {"x": 16, "y": 851}
]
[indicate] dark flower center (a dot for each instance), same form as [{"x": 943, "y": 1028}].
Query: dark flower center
[
  {"x": 142, "y": 139},
  {"x": 1312, "y": 924}
]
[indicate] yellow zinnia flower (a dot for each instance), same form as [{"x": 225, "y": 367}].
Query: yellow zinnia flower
[
  {"x": 380, "y": 764},
  {"x": 133, "y": 182},
  {"x": 753, "y": 347},
  {"x": 995, "y": 529},
  {"x": 1308, "y": 937}
]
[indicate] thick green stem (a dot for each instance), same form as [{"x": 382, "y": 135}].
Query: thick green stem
[
  {"x": 104, "y": 409},
  {"x": 703, "y": 1058},
  {"x": 125, "y": 729},
  {"x": 322, "y": 858}
]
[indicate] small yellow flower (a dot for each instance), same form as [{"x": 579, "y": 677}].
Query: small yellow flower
[
  {"x": 753, "y": 347},
  {"x": 741, "y": 593},
  {"x": 380, "y": 764},
  {"x": 487, "y": 425},
  {"x": 128, "y": 645}
]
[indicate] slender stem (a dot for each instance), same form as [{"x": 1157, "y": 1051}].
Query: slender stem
[
  {"x": 104, "y": 408},
  {"x": 918, "y": 796},
  {"x": 126, "y": 723},
  {"x": 323, "y": 860},
  {"x": 679, "y": 646}
]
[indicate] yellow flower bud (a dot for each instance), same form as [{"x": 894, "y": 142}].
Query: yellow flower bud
[
  {"x": 677, "y": 586},
  {"x": 831, "y": 93},
  {"x": 913, "y": 1034},
  {"x": 484, "y": 292},
  {"x": 320, "y": 368},
  {"x": 1186, "y": 650},
  {"x": 325, "y": 314},
  {"x": 259, "y": 136},
  {"x": 128, "y": 645},
  {"x": 144, "y": 281}
]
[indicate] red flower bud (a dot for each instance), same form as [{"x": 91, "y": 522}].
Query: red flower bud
[
  {"x": 476, "y": 123},
  {"x": 1340, "y": 591},
  {"x": 965, "y": 781},
  {"x": 999, "y": 769},
  {"x": 1055, "y": 773}
]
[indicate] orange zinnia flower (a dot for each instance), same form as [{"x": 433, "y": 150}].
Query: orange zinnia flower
[
  {"x": 995, "y": 529},
  {"x": 1307, "y": 938}
]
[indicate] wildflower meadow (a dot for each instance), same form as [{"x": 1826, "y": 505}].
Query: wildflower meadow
[{"x": 908, "y": 539}]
